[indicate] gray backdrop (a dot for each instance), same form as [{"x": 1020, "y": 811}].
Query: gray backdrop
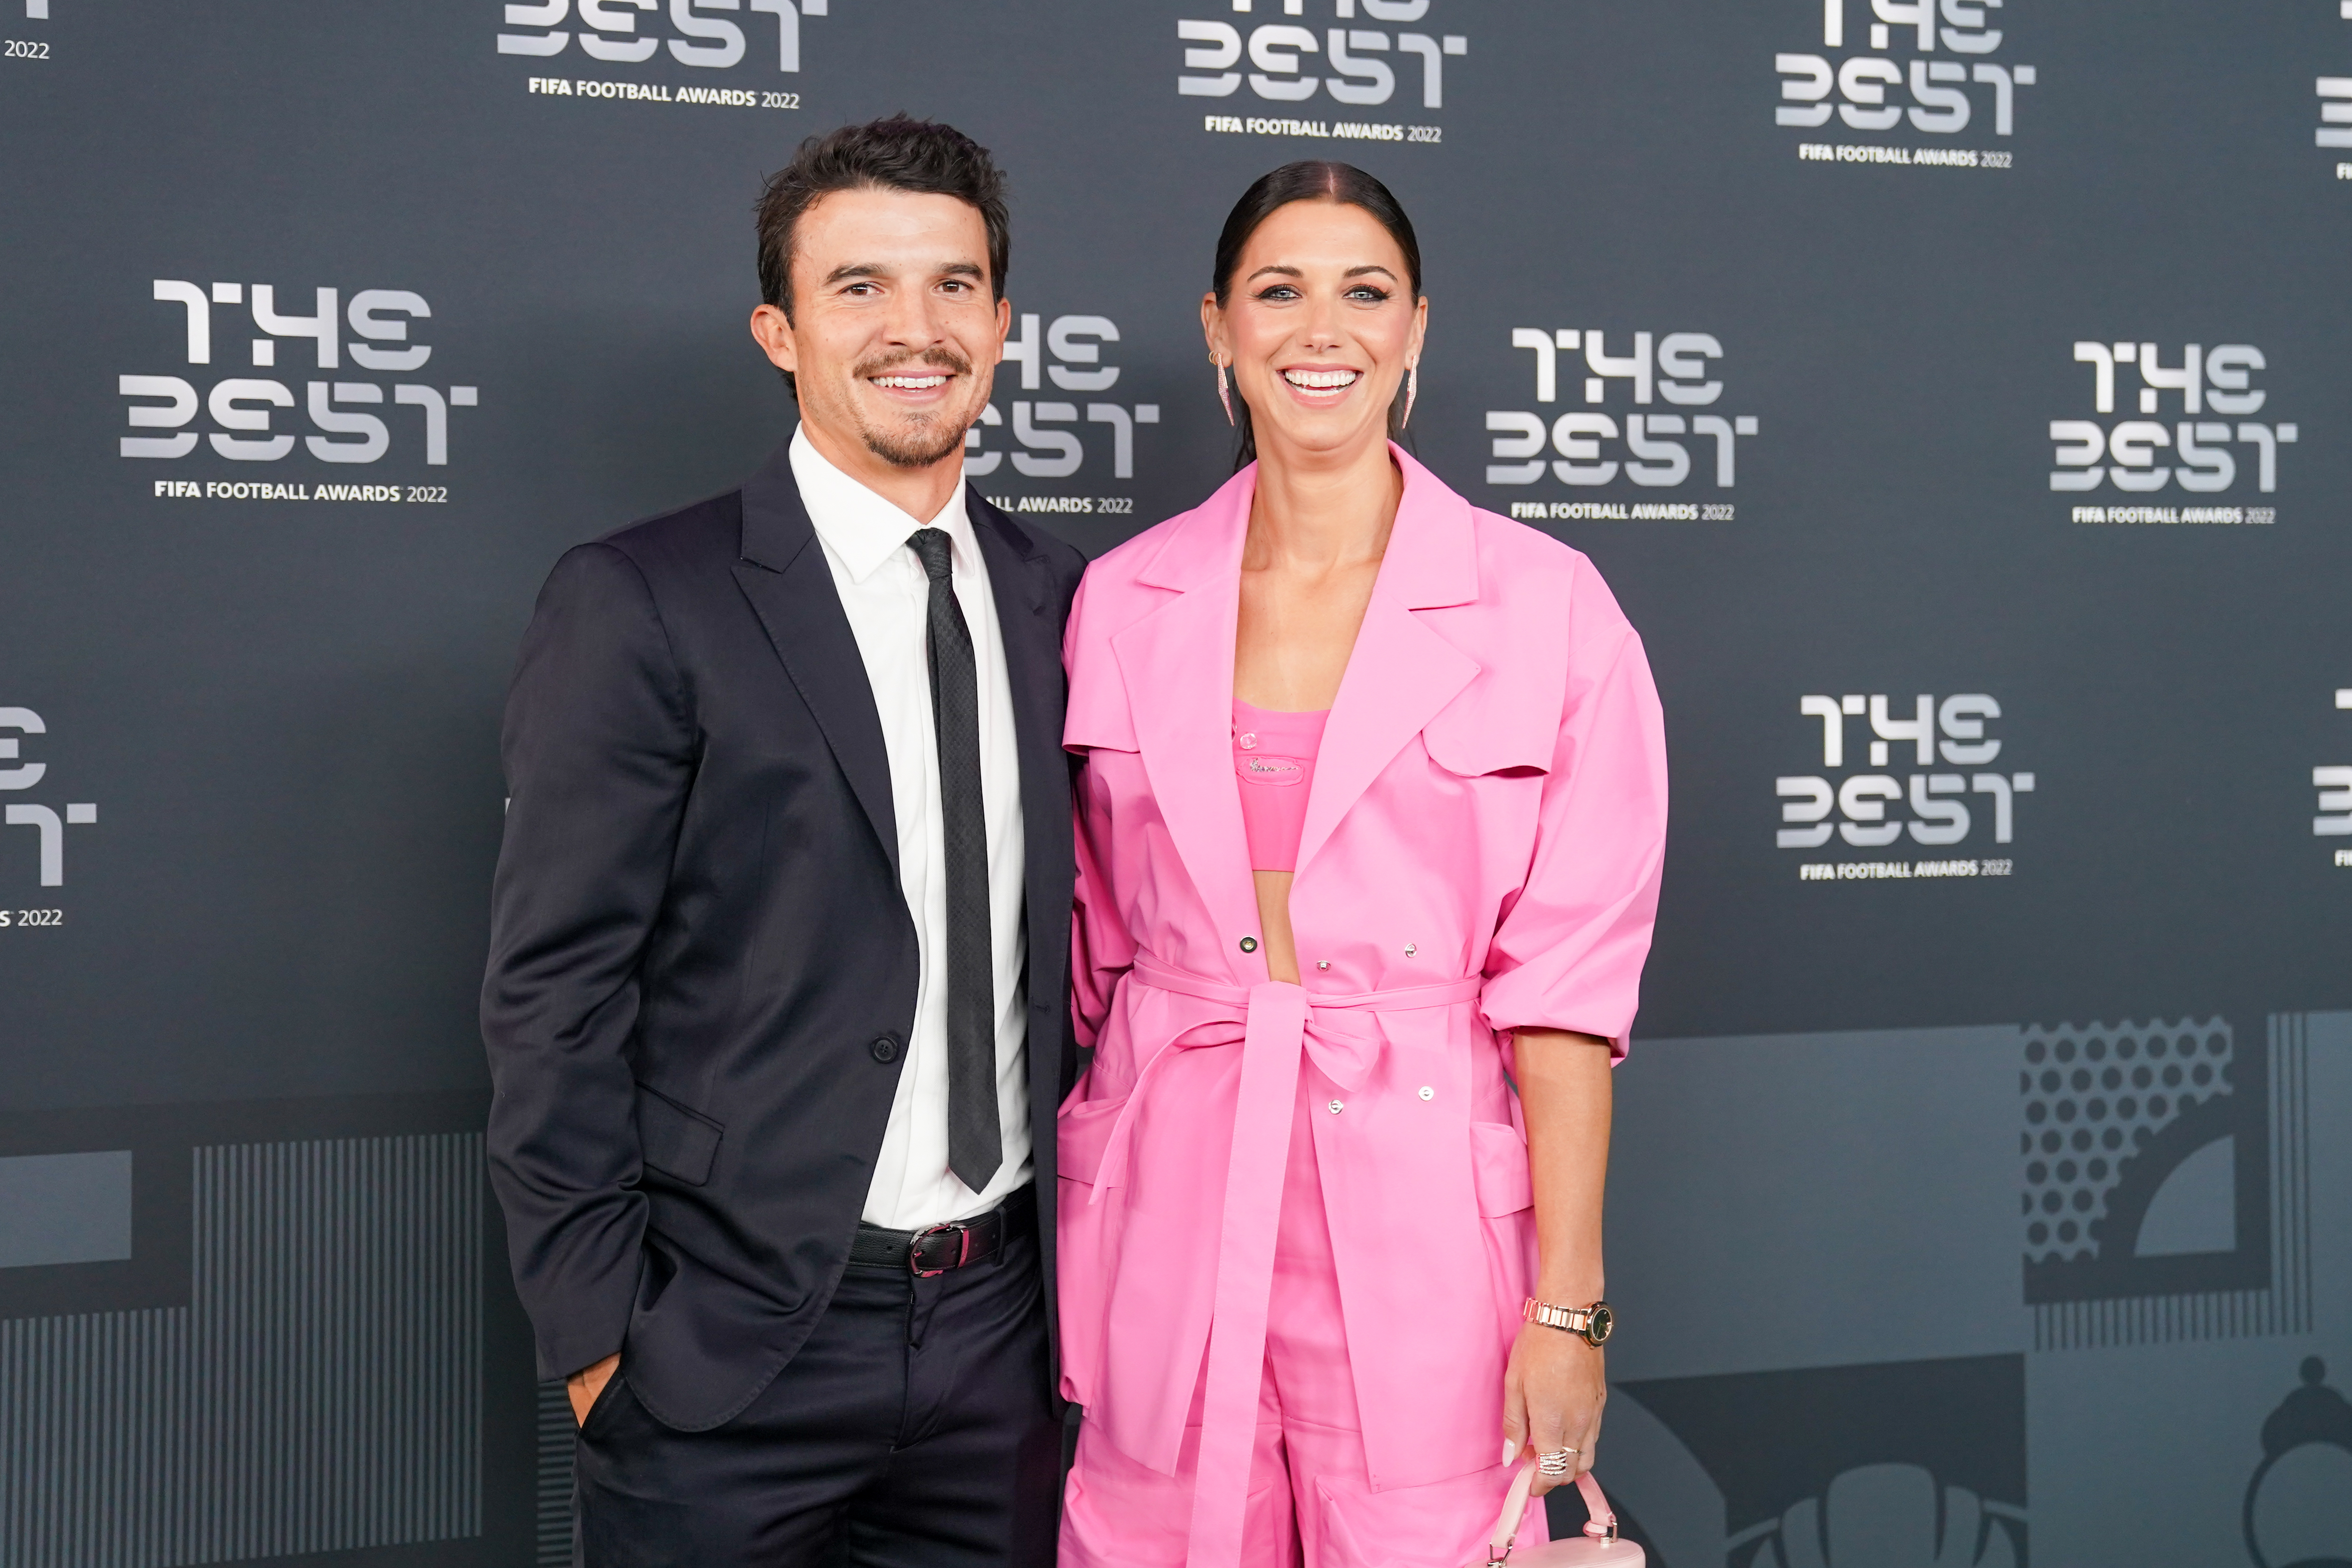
[{"x": 1953, "y": 393}]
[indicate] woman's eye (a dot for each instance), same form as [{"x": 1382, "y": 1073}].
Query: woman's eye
[
  {"x": 1278, "y": 291},
  {"x": 1366, "y": 293}
]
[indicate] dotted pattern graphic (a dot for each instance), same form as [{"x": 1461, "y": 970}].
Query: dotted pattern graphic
[
  {"x": 2094, "y": 1094},
  {"x": 557, "y": 1443}
]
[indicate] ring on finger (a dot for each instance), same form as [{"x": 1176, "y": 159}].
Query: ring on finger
[{"x": 1555, "y": 1464}]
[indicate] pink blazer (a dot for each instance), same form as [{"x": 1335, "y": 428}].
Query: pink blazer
[{"x": 1481, "y": 853}]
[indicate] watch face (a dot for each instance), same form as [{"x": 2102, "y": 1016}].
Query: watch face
[{"x": 1603, "y": 1321}]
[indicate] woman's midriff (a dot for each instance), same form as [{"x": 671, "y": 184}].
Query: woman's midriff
[{"x": 1273, "y": 921}]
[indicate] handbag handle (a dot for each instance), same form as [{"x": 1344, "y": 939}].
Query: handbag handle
[{"x": 1602, "y": 1524}]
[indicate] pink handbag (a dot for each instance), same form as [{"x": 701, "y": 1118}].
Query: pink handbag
[{"x": 1598, "y": 1547}]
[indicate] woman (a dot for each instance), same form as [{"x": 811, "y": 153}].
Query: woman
[{"x": 1369, "y": 827}]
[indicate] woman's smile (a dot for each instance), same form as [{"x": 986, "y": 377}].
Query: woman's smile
[{"x": 1320, "y": 386}]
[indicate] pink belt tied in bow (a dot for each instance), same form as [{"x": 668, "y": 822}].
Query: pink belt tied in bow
[{"x": 1273, "y": 1022}]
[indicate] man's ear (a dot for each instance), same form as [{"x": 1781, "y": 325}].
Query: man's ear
[
  {"x": 774, "y": 334},
  {"x": 1003, "y": 327}
]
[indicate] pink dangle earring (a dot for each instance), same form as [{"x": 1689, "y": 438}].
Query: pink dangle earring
[
  {"x": 1224, "y": 393},
  {"x": 1411, "y": 391}
]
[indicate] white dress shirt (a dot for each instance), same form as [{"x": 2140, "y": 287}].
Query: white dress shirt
[{"x": 887, "y": 596}]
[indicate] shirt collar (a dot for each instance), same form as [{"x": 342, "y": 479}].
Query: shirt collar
[{"x": 861, "y": 528}]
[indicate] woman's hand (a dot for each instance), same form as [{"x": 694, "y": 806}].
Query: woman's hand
[{"x": 1552, "y": 1394}]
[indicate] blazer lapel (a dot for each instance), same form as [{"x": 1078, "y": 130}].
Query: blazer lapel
[
  {"x": 1401, "y": 673},
  {"x": 1177, "y": 665},
  {"x": 784, "y": 574},
  {"x": 1018, "y": 581},
  {"x": 1033, "y": 665}
]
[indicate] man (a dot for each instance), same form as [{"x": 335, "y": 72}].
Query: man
[{"x": 777, "y": 987}]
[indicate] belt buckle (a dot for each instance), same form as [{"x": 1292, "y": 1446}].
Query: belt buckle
[{"x": 916, "y": 1251}]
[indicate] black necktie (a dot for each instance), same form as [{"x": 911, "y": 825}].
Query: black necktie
[{"x": 975, "y": 1141}]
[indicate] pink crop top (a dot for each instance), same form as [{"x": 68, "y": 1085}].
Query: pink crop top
[{"x": 1273, "y": 757}]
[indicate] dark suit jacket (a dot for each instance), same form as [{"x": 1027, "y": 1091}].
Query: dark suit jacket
[{"x": 701, "y": 977}]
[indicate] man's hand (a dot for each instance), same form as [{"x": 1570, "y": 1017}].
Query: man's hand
[{"x": 585, "y": 1384}]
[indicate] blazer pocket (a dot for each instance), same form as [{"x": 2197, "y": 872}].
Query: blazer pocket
[
  {"x": 1492, "y": 738},
  {"x": 1097, "y": 715},
  {"x": 677, "y": 1142},
  {"x": 1082, "y": 1131},
  {"x": 1500, "y": 1158}
]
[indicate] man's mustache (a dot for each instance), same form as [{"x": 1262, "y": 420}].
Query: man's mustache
[{"x": 944, "y": 359}]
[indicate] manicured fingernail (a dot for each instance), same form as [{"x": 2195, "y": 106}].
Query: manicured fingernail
[{"x": 1510, "y": 1449}]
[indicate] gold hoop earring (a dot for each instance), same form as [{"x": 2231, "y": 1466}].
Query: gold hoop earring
[
  {"x": 1224, "y": 393},
  {"x": 1411, "y": 391}
]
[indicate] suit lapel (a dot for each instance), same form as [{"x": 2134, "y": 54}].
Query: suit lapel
[
  {"x": 1400, "y": 673},
  {"x": 785, "y": 575},
  {"x": 1177, "y": 665},
  {"x": 1018, "y": 581},
  {"x": 1033, "y": 654}
]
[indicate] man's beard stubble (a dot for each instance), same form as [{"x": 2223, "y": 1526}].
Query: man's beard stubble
[{"x": 922, "y": 440}]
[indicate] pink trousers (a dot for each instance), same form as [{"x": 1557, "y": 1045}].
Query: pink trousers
[{"x": 1311, "y": 1504}]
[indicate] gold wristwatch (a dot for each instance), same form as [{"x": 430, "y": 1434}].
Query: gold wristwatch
[{"x": 1592, "y": 1324}]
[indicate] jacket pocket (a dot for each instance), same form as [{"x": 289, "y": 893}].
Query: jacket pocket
[
  {"x": 1492, "y": 737},
  {"x": 1082, "y": 1131},
  {"x": 1089, "y": 1235},
  {"x": 1499, "y": 1158},
  {"x": 1097, "y": 718},
  {"x": 677, "y": 1142}
]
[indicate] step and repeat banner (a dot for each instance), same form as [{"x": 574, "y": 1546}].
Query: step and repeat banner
[{"x": 1954, "y": 392}]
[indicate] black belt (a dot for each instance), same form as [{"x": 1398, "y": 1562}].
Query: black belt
[{"x": 935, "y": 1249}]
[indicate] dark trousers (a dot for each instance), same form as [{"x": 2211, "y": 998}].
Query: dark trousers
[{"x": 913, "y": 1430}]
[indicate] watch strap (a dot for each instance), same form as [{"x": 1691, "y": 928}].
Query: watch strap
[{"x": 1576, "y": 1320}]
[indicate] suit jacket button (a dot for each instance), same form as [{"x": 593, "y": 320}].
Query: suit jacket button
[
  {"x": 886, "y": 1050},
  {"x": 1249, "y": 944}
]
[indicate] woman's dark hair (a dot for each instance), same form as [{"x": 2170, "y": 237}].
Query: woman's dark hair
[
  {"x": 1308, "y": 180},
  {"x": 897, "y": 153}
]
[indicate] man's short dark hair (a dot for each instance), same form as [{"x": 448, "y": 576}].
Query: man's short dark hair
[{"x": 898, "y": 153}]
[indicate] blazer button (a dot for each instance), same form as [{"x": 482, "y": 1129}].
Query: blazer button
[
  {"x": 886, "y": 1050},
  {"x": 1249, "y": 944}
]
